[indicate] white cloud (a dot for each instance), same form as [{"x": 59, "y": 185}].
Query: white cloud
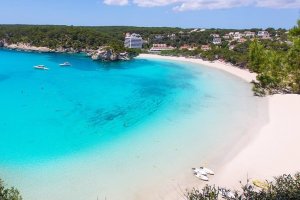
[
  {"x": 153, "y": 3},
  {"x": 205, "y": 4},
  {"x": 184, "y": 5},
  {"x": 116, "y": 2},
  {"x": 278, "y": 3}
]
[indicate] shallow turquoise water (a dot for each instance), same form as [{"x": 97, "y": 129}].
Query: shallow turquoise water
[
  {"x": 48, "y": 114},
  {"x": 80, "y": 132}
]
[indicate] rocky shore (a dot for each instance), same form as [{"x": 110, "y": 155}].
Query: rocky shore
[
  {"x": 108, "y": 54},
  {"x": 104, "y": 53}
]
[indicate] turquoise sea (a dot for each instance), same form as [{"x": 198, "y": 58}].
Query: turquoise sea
[{"x": 112, "y": 130}]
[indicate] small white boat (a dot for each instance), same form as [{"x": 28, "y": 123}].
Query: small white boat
[
  {"x": 42, "y": 67},
  {"x": 208, "y": 171},
  {"x": 65, "y": 64},
  {"x": 202, "y": 177},
  {"x": 199, "y": 171}
]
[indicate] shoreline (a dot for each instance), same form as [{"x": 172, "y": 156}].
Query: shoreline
[
  {"x": 265, "y": 155},
  {"x": 244, "y": 74},
  {"x": 99, "y": 54},
  {"x": 261, "y": 152}
]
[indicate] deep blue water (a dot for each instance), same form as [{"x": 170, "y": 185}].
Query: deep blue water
[{"x": 49, "y": 114}]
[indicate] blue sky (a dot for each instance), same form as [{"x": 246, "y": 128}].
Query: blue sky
[{"x": 178, "y": 13}]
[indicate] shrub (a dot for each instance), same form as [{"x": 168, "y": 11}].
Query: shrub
[
  {"x": 285, "y": 187},
  {"x": 9, "y": 193}
]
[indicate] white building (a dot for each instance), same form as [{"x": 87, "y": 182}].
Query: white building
[
  {"x": 231, "y": 34},
  {"x": 226, "y": 36},
  {"x": 133, "y": 41},
  {"x": 195, "y": 30},
  {"x": 215, "y": 35},
  {"x": 249, "y": 34},
  {"x": 172, "y": 36},
  {"x": 263, "y": 34},
  {"x": 237, "y": 36},
  {"x": 217, "y": 40},
  {"x": 156, "y": 48}
]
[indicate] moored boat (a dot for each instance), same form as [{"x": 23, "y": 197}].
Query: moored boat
[
  {"x": 42, "y": 67},
  {"x": 199, "y": 171},
  {"x": 65, "y": 64},
  {"x": 208, "y": 171},
  {"x": 202, "y": 177}
]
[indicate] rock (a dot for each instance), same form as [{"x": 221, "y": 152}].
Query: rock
[
  {"x": 107, "y": 54},
  {"x": 27, "y": 47},
  {"x": 60, "y": 50},
  {"x": 104, "y": 53}
]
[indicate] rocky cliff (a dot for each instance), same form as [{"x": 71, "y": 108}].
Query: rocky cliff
[
  {"x": 108, "y": 54},
  {"x": 104, "y": 53}
]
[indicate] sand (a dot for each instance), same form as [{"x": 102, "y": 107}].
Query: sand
[
  {"x": 270, "y": 151},
  {"x": 241, "y": 73},
  {"x": 273, "y": 151}
]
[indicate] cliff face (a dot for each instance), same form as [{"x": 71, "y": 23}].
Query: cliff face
[
  {"x": 104, "y": 53},
  {"x": 108, "y": 54},
  {"x": 27, "y": 47}
]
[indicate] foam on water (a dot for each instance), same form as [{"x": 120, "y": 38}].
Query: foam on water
[{"x": 111, "y": 130}]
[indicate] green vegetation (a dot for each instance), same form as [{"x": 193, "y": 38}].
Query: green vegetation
[
  {"x": 75, "y": 37},
  {"x": 9, "y": 193},
  {"x": 278, "y": 69},
  {"x": 283, "y": 187},
  {"x": 276, "y": 60}
]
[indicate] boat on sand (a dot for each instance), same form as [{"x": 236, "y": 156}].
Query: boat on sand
[
  {"x": 202, "y": 173},
  {"x": 208, "y": 171},
  {"x": 202, "y": 177},
  {"x": 199, "y": 171}
]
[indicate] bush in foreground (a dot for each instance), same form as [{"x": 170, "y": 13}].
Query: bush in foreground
[
  {"x": 9, "y": 193},
  {"x": 282, "y": 188}
]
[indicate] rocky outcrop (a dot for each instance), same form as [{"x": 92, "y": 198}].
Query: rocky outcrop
[
  {"x": 67, "y": 50},
  {"x": 104, "y": 53},
  {"x": 108, "y": 54},
  {"x": 27, "y": 47}
]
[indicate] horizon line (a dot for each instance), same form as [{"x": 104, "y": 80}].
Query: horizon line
[{"x": 135, "y": 26}]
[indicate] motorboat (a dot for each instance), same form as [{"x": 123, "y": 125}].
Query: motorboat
[
  {"x": 199, "y": 171},
  {"x": 65, "y": 64},
  {"x": 208, "y": 171},
  {"x": 201, "y": 177},
  {"x": 42, "y": 67}
]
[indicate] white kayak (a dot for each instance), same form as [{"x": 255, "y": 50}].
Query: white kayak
[
  {"x": 199, "y": 171},
  {"x": 202, "y": 177},
  {"x": 208, "y": 171}
]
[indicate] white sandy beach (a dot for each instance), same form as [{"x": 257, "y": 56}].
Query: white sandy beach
[
  {"x": 272, "y": 151},
  {"x": 243, "y": 74}
]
